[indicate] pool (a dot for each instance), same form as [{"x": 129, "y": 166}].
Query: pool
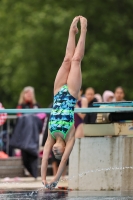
[{"x": 65, "y": 195}]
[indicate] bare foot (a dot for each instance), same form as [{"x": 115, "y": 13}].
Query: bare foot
[
  {"x": 73, "y": 27},
  {"x": 83, "y": 22}
]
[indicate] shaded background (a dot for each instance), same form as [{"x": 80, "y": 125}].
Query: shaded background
[{"x": 33, "y": 37}]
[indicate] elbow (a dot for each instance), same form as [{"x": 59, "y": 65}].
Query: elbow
[
  {"x": 44, "y": 160},
  {"x": 64, "y": 160}
]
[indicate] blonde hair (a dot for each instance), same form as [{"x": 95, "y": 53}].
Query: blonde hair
[{"x": 21, "y": 97}]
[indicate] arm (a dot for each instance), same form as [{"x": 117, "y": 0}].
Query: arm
[
  {"x": 68, "y": 149},
  {"x": 19, "y": 107},
  {"x": 3, "y": 116},
  {"x": 84, "y": 104},
  {"x": 47, "y": 149}
]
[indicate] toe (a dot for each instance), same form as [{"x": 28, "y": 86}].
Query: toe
[{"x": 76, "y": 18}]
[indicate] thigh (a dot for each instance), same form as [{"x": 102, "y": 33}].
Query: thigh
[
  {"x": 62, "y": 76},
  {"x": 74, "y": 79}
]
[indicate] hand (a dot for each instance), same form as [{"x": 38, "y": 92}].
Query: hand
[
  {"x": 76, "y": 106},
  {"x": 53, "y": 184},
  {"x": 45, "y": 183}
]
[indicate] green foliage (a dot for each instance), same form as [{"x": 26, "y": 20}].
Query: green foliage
[{"x": 33, "y": 36}]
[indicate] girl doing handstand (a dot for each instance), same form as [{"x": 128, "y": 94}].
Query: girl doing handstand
[{"x": 61, "y": 134}]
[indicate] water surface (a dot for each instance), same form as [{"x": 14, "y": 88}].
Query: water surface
[{"x": 65, "y": 195}]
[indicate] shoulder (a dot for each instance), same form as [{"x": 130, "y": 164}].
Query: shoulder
[
  {"x": 71, "y": 134},
  {"x": 50, "y": 138},
  {"x": 94, "y": 100},
  {"x": 1, "y": 106}
]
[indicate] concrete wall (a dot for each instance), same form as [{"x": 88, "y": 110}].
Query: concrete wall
[
  {"x": 127, "y": 157},
  {"x": 101, "y": 153}
]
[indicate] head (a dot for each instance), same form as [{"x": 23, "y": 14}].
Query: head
[
  {"x": 27, "y": 95},
  {"x": 89, "y": 94},
  {"x": 119, "y": 94},
  {"x": 98, "y": 97},
  {"x": 108, "y": 96},
  {"x": 59, "y": 148}
]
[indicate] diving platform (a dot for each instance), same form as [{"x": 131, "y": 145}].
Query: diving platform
[{"x": 103, "y": 159}]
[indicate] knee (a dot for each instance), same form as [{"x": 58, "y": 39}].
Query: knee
[
  {"x": 67, "y": 59},
  {"x": 76, "y": 59}
]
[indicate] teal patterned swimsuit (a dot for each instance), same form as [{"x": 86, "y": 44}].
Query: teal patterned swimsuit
[{"x": 62, "y": 114}]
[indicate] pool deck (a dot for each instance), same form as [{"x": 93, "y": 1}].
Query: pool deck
[
  {"x": 27, "y": 183},
  {"x": 31, "y": 184}
]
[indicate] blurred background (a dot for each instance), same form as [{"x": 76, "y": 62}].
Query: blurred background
[{"x": 33, "y": 37}]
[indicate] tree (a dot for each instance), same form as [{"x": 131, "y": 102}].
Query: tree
[{"x": 33, "y": 37}]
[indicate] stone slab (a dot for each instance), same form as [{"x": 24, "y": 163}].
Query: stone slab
[
  {"x": 27, "y": 183},
  {"x": 113, "y": 129},
  {"x": 97, "y": 164}
]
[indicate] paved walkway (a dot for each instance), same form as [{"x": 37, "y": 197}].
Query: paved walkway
[{"x": 26, "y": 183}]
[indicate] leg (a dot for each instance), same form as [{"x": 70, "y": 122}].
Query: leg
[
  {"x": 75, "y": 78},
  {"x": 62, "y": 75}
]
